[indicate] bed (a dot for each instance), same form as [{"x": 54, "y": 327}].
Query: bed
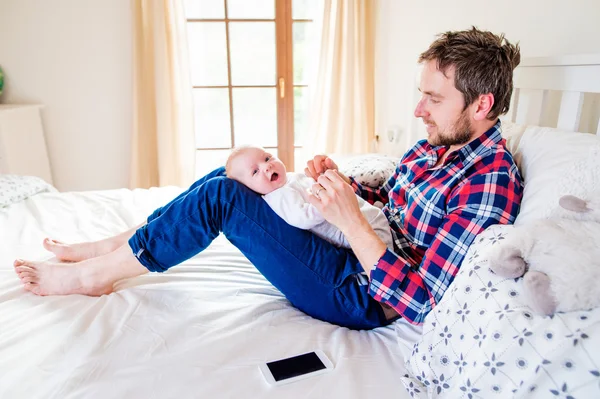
[
  {"x": 481, "y": 340},
  {"x": 201, "y": 329}
]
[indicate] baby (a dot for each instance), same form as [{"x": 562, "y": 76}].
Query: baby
[{"x": 287, "y": 194}]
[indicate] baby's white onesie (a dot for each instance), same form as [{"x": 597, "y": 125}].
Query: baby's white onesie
[{"x": 290, "y": 202}]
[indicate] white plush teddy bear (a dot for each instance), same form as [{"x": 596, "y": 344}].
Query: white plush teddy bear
[{"x": 559, "y": 258}]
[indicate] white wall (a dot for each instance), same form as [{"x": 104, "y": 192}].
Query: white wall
[
  {"x": 75, "y": 57},
  {"x": 406, "y": 28}
]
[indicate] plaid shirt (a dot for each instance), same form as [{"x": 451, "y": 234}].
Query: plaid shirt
[{"x": 435, "y": 215}]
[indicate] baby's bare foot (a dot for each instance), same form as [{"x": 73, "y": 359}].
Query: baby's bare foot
[
  {"x": 45, "y": 278},
  {"x": 77, "y": 252}
]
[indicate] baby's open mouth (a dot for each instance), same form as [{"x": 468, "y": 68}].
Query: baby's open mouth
[{"x": 274, "y": 177}]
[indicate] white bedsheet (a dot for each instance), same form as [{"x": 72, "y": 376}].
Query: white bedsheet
[{"x": 198, "y": 331}]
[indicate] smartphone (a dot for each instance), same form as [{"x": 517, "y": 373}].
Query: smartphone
[{"x": 296, "y": 368}]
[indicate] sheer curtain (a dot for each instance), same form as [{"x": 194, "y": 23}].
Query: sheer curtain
[
  {"x": 163, "y": 145},
  {"x": 342, "y": 106}
]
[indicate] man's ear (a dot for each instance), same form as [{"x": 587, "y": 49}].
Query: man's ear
[{"x": 484, "y": 105}]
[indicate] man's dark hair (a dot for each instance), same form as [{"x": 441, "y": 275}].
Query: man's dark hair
[{"x": 483, "y": 63}]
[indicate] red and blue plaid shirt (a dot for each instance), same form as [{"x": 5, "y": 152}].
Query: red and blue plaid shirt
[{"x": 436, "y": 213}]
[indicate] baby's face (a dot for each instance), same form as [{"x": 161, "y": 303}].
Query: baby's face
[{"x": 258, "y": 170}]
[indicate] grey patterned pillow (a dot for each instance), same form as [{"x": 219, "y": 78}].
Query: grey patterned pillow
[
  {"x": 371, "y": 170},
  {"x": 14, "y": 188}
]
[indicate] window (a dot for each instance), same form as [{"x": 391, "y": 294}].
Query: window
[{"x": 249, "y": 70}]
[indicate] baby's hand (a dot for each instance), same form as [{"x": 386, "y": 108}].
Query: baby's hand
[{"x": 318, "y": 165}]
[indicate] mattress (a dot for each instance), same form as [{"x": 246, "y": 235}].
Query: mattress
[{"x": 199, "y": 330}]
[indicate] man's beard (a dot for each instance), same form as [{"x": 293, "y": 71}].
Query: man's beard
[{"x": 460, "y": 133}]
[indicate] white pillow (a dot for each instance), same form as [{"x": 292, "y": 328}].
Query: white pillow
[
  {"x": 553, "y": 163},
  {"x": 15, "y": 188},
  {"x": 482, "y": 341},
  {"x": 371, "y": 170},
  {"x": 512, "y": 131}
]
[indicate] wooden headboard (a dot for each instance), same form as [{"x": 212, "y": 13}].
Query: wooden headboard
[{"x": 562, "y": 92}]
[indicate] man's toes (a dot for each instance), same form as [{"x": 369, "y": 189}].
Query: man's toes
[
  {"x": 22, "y": 269},
  {"x": 28, "y": 273},
  {"x": 25, "y": 268},
  {"x": 31, "y": 264},
  {"x": 51, "y": 244},
  {"x": 30, "y": 279}
]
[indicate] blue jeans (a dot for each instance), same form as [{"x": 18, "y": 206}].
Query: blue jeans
[{"x": 314, "y": 275}]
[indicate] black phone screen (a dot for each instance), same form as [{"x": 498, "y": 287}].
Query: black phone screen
[{"x": 295, "y": 366}]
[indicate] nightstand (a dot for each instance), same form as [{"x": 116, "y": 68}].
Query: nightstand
[{"x": 22, "y": 143}]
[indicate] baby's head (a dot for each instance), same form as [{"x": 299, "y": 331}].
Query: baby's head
[{"x": 255, "y": 168}]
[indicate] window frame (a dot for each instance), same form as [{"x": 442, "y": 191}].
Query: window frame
[{"x": 284, "y": 79}]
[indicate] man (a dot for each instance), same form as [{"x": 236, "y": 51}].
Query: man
[
  {"x": 445, "y": 191},
  {"x": 448, "y": 188}
]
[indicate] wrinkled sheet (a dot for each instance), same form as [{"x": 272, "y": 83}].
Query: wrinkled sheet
[{"x": 197, "y": 331}]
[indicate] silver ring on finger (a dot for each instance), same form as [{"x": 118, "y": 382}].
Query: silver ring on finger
[{"x": 318, "y": 191}]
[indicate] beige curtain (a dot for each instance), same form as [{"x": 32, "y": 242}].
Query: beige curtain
[
  {"x": 342, "y": 107},
  {"x": 163, "y": 145}
]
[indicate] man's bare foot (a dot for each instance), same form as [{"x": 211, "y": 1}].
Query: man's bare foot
[
  {"x": 92, "y": 277},
  {"x": 87, "y": 250},
  {"x": 46, "y": 278},
  {"x": 79, "y": 251}
]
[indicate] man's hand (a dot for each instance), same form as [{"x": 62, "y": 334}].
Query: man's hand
[
  {"x": 337, "y": 202},
  {"x": 319, "y": 165}
]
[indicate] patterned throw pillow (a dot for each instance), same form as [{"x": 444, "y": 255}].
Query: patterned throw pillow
[
  {"x": 15, "y": 188},
  {"x": 371, "y": 170},
  {"x": 483, "y": 341}
]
